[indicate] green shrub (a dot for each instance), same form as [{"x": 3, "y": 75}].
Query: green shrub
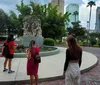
[
  {"x": 99, "y": 43},
  {"x": 85, "y": 43},
  {"x": 80, "y": 43},
  {"x": 49, "y": 41},
  {"x": 93, "y": 41}
]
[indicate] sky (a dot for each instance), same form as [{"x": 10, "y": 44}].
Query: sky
[{"x": 7, "y": 5}]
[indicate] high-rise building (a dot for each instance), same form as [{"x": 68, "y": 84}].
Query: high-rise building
[
  {"x": 97, "y": 24},
  {"x": 60, "y": 4},
  {"x": 74, "y": 10}
]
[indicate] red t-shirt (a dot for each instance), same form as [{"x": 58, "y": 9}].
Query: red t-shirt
[{"x": 11, "y": 45}]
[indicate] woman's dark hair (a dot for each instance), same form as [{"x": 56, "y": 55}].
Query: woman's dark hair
[
  {"x": 32, "y": 42},
  {"x": 10, "y": 38},
  {"x": 72, "y": 42},
  {"x": 73, "y": 46}
]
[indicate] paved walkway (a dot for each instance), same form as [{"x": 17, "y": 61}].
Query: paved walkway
[{"x": 51, "y": 66}]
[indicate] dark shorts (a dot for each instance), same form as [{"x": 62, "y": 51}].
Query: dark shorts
[{"x": 10, "y": 56}]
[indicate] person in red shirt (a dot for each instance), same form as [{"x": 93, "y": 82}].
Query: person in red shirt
[
  {"x": 32, "y": 69},
  {"x": 9, "y": 57}
]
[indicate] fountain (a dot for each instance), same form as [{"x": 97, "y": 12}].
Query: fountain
[{"x": 32, "y": 31}]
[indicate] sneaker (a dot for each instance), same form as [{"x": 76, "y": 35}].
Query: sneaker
[
  {"x": 5, "y": 70},
  {"x": 10, "y": 71}
]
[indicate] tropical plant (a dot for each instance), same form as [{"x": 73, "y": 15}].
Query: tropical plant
[
  {"x": 4, "y": 23},
  {"x": 93, "y": 34},
  {"x": 15, "y": 25},
  {"x": 90, "y": 4},
  {"x": 75, "y": 14},
  {"x": 23, "y": 10},
  {"x": 77, "y": 30},
  {"x": 93, "y": 41},
  {"x": 52, "y": 22},
  {"x": 99, "y": 43}
]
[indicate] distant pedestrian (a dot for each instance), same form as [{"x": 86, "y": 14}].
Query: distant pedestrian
[
  {"x": 8, "y": 52},
  {"x": 72, "y": 62},
  {"x": 32, "y": 68}
]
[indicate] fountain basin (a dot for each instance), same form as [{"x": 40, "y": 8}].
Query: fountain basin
[{"x": 42, "y": 54}]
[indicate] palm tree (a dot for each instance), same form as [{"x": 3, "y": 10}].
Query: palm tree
[
  {"x": 91, "y": 3},
  {"x": 75, "y": 13},
  {"x": 67, "y": 19}
]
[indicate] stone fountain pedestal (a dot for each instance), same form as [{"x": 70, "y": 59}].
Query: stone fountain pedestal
[
  {"x": 25, "y": 40},
  {"x": 31, "y": 31}
]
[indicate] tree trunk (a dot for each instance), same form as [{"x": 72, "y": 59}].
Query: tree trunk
[{"x": 90, "y": 17}]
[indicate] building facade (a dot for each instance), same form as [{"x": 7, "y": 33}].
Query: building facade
[
  {"x": 72, "y": 8},
  {"x": 97, "y": 24},
  {"x": 60, "y": 4}
]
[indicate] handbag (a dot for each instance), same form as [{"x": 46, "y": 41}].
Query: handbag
[{"x": 37, "y": 58}]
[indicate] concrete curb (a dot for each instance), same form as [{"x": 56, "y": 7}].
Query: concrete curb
[
  {"x": 43, "y": 54},
  {"x": 43, "y": 79},
  {"x": 20, "y": 82},
  {"x": 89, "y": 68}
]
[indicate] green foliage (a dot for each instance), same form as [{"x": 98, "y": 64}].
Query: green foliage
[
  {"x": 14, "y": 22},
  {"x": 52, "y": 22},
  {"x": 94, "y": 34},
  {"x": 23, "y": 9},
  {"x": 91, "y": 3},
  {"x": 49, "y": 41},
  {"x": 99, "y": 43},
  {"x": 93, "y": 41},
  {"x": 78, "y": 31},
  {"x": 4, "y": 22},
  {"x": 75, "y": 14},
  {"x": 80, "y": 43}
]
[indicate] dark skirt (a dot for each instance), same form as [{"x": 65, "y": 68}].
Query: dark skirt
[{"x": 10, "y": 56}]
